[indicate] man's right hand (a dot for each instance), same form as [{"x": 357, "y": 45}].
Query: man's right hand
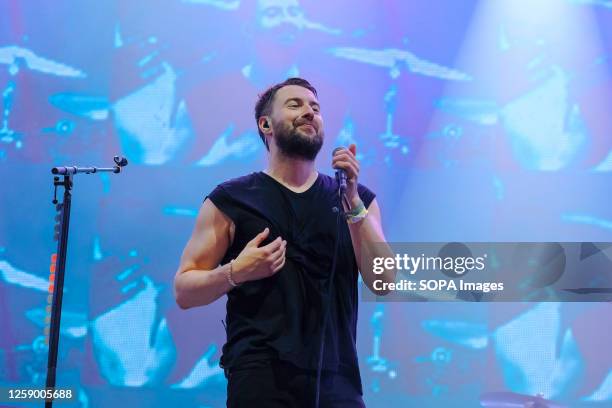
[{"x": 255, "y": 262}]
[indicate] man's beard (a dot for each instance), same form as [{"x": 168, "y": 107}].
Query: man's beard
[{"x": 293, "y": 143}]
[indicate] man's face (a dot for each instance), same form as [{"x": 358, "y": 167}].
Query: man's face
[
  {"x": 281, "y": 19},
  {"x": 297, "y": 123}
]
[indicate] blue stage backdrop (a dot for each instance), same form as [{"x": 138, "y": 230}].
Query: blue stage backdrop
[{"x": 474, "y": 121}]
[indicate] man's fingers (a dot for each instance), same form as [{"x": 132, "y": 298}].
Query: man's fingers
[
  {"x": 280, "y": 253},
  {"x": 259, "y": 238},
  {"x": 353, "y": 149},
  {"x": 342, "y": 158},
  {"x": 272, "y": 246},
  {"x": 279, "y": 265},
  {"x": 350, "y": 152},
  {"x": 345, "y": 154},
  {"x": 352, "y": 168}
]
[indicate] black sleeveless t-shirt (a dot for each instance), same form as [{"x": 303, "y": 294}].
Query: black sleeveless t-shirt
[{"x": 280, "y": 317}]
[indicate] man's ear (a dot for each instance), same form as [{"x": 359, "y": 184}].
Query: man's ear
[{"x": 264, "y": 125}]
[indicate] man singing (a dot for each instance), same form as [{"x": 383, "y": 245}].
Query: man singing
[{"x": 272, "y": 241}]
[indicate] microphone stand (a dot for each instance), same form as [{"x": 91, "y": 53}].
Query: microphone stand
[{"x": 61, "y": 236}]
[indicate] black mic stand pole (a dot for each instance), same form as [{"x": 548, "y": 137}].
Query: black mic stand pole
[{"x": 63, "y": 217}]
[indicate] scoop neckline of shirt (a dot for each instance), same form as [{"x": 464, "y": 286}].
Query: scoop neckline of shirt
[{"x": 311, "y": 188}]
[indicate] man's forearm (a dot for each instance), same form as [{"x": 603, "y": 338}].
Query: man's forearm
[
  {"x": 369, "y": 242},
  {"x": 200, "y": 287}
]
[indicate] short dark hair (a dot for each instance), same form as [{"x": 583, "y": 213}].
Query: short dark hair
[{"x": 263, "y": 106}]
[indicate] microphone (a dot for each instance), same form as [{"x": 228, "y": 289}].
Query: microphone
[{"x": 340, "y": 175}]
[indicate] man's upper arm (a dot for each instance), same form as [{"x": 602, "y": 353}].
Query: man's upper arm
[{"x": 209, "y": 241}]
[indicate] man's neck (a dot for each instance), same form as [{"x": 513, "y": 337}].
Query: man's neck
[{"x": 296, "y": 174}]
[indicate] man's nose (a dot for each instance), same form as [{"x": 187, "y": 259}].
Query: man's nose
[{"x": 308, "y": 112}]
